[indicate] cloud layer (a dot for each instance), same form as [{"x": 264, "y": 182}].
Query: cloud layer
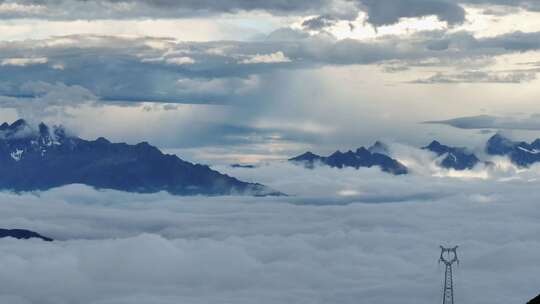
[
  {"x": 310, "y": 248},
  {"x": 286, "y": 77},
  {"x": 154, "y": 69},
  {"x": 521, "y": 122},
  {"x": 379, "y": 13}
]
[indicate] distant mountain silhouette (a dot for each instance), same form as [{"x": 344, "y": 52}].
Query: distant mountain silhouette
[
  {"x": 455, "y": 158},
  {"x": 42, "y": 158},
  {"x": 362, "y": 157},
  {"x": 308, "y": 159},
  {"x": 22, "y": 234},
  {"x": 520, "y": 153}
]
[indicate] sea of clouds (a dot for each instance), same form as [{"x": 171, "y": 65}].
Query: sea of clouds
[{"x": 342, "y": 236}]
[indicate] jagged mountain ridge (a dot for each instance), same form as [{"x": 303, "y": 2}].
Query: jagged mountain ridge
[
  {"x": 520, "y": 153},
  {"x": 454, "y": 158},
  {"x": 378, "y": 155},
  {"x": 362, "y": 157},
  {"x": 49, "y": 157}
]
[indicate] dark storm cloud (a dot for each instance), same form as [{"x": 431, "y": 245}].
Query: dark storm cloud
[
  {"x": 380, "y": 12},
  {"x": 114, "y": 69},
  {"x": 153, "y": 69},
  {"x": 231, "y": 5},
  {"x": 516, "y": 41},
  {"x": 384, "y": 12},
  {"x": 319, "y": 23},
  {"x": 463, "y": 41},
  {"x": 121, "y": 9}
]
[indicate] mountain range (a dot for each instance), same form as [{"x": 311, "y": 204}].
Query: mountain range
[
  {"x": 452, "y": 157},
  {"x": 521, "y": 153},
  {"x": 46, "y": 157},
  {"x": 362, "y": 157},
  {"x": 43, "y": 157}
]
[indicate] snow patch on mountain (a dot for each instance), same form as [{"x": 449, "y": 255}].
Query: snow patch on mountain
[{"x": 17, "y": 154}]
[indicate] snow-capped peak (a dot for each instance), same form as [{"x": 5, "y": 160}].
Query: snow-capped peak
[
  {"x": 41, "y": 134},
  {"x": 18, "y": 129},
  {"x": 17, "y": 154}
]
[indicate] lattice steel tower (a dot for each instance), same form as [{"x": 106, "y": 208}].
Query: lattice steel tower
[{"x": 448, "y": 257}]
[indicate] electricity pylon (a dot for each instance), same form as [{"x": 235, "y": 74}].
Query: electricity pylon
[{"x": 448, "y": 257}]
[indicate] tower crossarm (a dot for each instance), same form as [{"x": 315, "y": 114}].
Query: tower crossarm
[{"x": 449, "y": 255}]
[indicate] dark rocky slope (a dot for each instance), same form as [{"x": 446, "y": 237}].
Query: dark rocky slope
[{"x": 43, "y": 158}]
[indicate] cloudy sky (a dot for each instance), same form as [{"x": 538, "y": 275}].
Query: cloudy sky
[
  {"x": 245, "y": 81},
  {"x": 258, "y": 81}
]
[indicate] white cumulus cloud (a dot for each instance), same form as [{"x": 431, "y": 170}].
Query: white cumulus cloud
[
  {"x": 277, "y": 57},
  {"x": 180, "y": 60}
]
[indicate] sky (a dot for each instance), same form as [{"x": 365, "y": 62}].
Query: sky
[
  {"x": 222, "y": 82},
  {"x": 251, "y": 81}
]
